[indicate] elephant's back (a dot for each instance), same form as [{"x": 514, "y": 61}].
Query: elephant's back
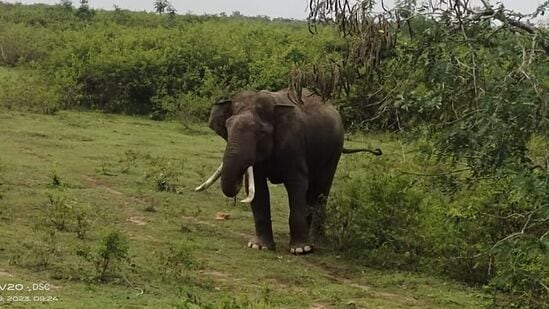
[
  {"x": 324, "y": 134},
  {"x": 320, "y": 120}
]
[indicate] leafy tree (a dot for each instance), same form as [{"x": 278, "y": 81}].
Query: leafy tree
[
  {"x": 66, "y": 4},
  {"x": 84, "y": 12},
  {"x": 162, "y": 6},
  {"x": 475, "y": 80}
]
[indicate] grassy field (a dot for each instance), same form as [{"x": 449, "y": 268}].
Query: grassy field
[{"x": 69, "y": 180}]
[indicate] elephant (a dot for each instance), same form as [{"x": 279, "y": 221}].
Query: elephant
[{"x": 286, "y": 139}]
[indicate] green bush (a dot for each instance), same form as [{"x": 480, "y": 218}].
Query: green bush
[
  {"x": 497, "y": 230},
  {"x": 378, "y": 218},
  {"x": 177, "y": 261},
  {"x": 28, "y": 91},
  {"x": 137, "y": 63},
  {"x": 165, "y": 71},
  {"x": 20, "y": 44},
  {"x": 112, "y": 251},
  {"x": 165, "y": 174},
  {"x": 491, "y": 232}
]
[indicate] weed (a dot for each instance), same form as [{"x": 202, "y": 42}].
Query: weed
[
  {"x": 128, "y": 161},
  {"x": 112, "y": 251},
  {"x": 82, "y": 225},
  {"x": 105, "y": 167},
  {"x": 38, "y": 253},
  {"x": 164, "y": 174},
  {"x": 177, "y": 261},
  {"x": 58, "y": 213},
  {"x": 164, "y": 182},
  {"x": 55, "y": 179},
  {"x": 151, "y": 206},
  {"x": 184, "y": 228},
  {"x": 63, "y": 215}
]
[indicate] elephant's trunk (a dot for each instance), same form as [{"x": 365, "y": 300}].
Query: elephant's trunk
[{"x": 235, "y": 164}]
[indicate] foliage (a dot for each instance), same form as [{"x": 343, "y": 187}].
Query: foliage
[
  {"x": 473, "y": 80},
  {"x": 162, "y": 66},
  {"x": 488, "y": 232},
  {"x": 112, "y": 250},
  {"x": 162, "y": 6},
  {"x": 20, "y": 44},
  {"x": 165, "y": 174},
  {"x": 58, "y": 212},
  {"x": 177, "y": 261},
  {"x": 27, "y": 91},
  {"x": 378, "y": 217}
]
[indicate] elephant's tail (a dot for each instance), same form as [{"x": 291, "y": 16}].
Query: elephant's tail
[{"x": 375, "y": 152}]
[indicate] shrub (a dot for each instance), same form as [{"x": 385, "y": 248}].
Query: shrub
[
  {"x": 26, "y": 91},
  {"x": 63, "y": 215},
  {"x": 177, "y": 261},
  {"x": 499, "y": 229},
  {"x": 20, "y": 44},
  {"x": 38, "y": 253},
  {"x": 377, "y": 218},
  {"x": 58, "y": 213},
  {"x": 112, "y": 251},
  {"x": 491, "y": 231},
  {"x": 165, "y": 174}
]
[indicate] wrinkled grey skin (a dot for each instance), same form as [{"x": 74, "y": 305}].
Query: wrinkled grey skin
[{"x": 295, "y": 144}]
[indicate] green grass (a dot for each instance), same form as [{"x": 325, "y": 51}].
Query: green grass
[
  {"x": 108, "y": 168},
  {"x": 6, "y": 72}
]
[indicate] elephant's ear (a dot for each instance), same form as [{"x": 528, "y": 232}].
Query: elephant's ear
[
  {"x": 284, "y": 113},
  {"x": 218, "y": 116}
]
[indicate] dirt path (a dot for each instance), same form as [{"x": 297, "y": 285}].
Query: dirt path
[{"x": 95, "y": 183}]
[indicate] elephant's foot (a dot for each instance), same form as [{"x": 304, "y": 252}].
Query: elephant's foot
[
  {"x": 258, "y": 244},
  {"x": 299, "y": 249}
]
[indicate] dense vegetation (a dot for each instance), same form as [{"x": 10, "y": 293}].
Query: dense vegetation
[
  {"x": 470, "y": 199},
  {"x": 139, "y": 63},
  {"x": 474, "y": 82}
]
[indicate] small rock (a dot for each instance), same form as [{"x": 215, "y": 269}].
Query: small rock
[{"x": 222, "y": 216}]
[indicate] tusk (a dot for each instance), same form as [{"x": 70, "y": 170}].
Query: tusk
[
  {"x": 251, "y": 185},
  {"x": 210, "y": 180}
]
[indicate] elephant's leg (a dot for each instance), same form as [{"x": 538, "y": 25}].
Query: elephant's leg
[
  {"x": 317, "y": 198},
  {"x": 261, "y": 209},
  {"x": 299, "y": 227}
]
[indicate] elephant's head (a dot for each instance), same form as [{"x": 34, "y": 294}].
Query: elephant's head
[{"x": 247, "y": 123}]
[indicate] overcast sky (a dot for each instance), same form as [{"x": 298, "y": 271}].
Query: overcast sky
[{"x": 273, "y": 8}]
